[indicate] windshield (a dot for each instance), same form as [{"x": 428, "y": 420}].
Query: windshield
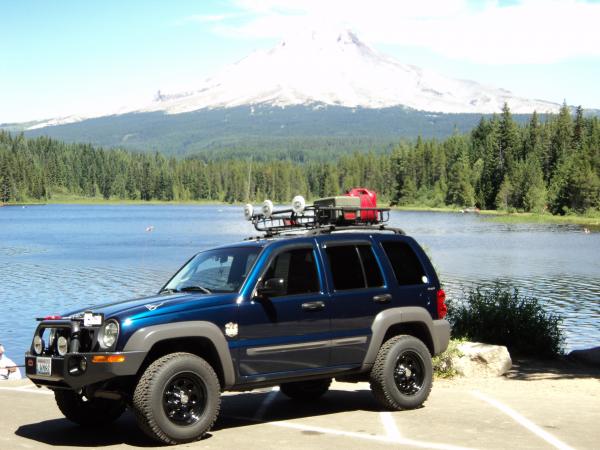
[{"x": 215, "y": 271}]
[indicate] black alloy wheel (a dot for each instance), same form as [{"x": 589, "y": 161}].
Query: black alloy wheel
[
  {"x": 409, "y": 373},
  {"x": 184, "y": 398},
  {"x": 402, "y": 375},
  {"x": 177, "y": 398}
]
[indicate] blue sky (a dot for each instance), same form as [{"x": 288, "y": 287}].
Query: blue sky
[{"x": 88, "y": 57}]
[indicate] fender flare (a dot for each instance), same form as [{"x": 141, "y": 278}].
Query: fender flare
[
  {"x": 145, "y": 338},
  {"x": 439, "y": 330}
]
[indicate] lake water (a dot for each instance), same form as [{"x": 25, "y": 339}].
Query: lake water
[{"x": 55, "y": 258}]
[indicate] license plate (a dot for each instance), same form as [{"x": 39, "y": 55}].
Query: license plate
[
  {"x": 92, "y": 320},
  {"x": 43, "y": 366}
]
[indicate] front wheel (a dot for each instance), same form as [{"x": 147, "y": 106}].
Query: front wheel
[
  {"x": 402, "y": 375},
  {"x": 88, "y": 411},
  {"x": 177, "y": 399}
]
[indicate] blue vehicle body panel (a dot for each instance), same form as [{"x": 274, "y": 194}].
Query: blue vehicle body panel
[{"x": 277, "y": 337}]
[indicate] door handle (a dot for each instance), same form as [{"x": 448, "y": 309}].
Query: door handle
[
  {"x": 383, "y": 298},
  {"x": 313, "y": 306}
]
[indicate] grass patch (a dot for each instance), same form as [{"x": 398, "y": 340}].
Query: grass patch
[
  {"x": 83, "y": 200},
  {"x": 501, "y": 316},
  {"x": 592, "y": 222}
]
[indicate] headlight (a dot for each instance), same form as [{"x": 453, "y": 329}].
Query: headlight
[
  {"x": 38, "y": 345},
  {"x": 62, "y": 345},
  {"x": 110, "y": 332}
]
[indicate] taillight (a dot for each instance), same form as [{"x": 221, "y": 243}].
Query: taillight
[{"x": 442, "y": 309}]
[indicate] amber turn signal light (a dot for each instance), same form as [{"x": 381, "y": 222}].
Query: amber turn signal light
[{"x": 108, "y": 358}]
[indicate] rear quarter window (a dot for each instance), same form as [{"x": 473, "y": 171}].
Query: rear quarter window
[{"x": 405, "y": 263}]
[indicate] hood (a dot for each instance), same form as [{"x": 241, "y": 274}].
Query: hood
[{"x": 156, "y": 304}]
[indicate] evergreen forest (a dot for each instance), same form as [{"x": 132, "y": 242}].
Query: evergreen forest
[{"x": 545, "y": 164}]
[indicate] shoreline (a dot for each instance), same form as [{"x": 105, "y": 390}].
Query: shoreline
[
  {"x": 517, "y": 217},
  {"x": 593, "y": 223}
]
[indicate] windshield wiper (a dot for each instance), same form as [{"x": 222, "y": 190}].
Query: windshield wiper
[
  {"x": 168, "y": 291},
  {"x": 195, "y": 288}
]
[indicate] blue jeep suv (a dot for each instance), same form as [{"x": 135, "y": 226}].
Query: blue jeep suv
[{"x": 354, "y": 303}]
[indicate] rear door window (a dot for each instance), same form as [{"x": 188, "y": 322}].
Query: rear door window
[
  {"x": 353, "y": 267},
  {"x": 407, "y": 267},
  {"x": 370, "y": 266}
]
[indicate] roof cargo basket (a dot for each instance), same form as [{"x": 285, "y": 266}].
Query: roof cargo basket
[{"x": 347, "y": 212}]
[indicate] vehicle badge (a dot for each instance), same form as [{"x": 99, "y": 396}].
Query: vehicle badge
[
  {"x": 231, "y": 329},
  {"x": 153, "y": 306}
]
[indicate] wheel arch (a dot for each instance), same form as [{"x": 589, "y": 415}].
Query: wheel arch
[
  {"x": 411, "y": 320},
  {"x": 200, "y": 338}
]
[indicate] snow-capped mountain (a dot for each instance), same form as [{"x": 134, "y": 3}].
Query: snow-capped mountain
[
  {"x": 330, "y": 68},
  {"x": 336, "y": 68}
]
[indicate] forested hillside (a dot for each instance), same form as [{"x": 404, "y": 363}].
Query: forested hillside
[
  {"x": 300, "y": 132},
  {"x": 549, "y": 164}
]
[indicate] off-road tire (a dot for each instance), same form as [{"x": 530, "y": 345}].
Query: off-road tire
[
  {"x": 305, "y": 390},
  {"x": 150, "y": 392},
  {"x": 88, "y": 412},
  {"x": 389, "y": 365}
]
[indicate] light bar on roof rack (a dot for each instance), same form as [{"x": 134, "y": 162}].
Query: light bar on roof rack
[{"x": 323, "y": 213}]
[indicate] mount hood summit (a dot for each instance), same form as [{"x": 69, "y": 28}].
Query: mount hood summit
[{"x": 337, "y": 68}]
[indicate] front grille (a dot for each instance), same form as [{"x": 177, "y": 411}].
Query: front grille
[{"x": 50, "y": 335}]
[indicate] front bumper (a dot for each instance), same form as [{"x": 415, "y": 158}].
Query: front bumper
[{"x": 64, "y": 376}]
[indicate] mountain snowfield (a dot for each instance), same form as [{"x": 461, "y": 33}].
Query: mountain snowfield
[
  {"x": 332, "y": 68},
  {"x": 336, "y": 68}
]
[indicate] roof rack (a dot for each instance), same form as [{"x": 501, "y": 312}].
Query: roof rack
[{"x": 316, "y": 219}]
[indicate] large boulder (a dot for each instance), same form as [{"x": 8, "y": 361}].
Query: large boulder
[
  {"x": 481, "y": 360},
  {"x": 590, "y": 356}
]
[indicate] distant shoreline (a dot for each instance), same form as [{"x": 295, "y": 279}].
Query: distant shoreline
[{"x": 590, "y": 223}]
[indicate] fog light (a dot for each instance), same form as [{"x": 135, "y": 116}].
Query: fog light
[
  {"x": 38, "y": 345},
  {"x": 62, "y": 345},
  {"x": 83, "y": 364}
]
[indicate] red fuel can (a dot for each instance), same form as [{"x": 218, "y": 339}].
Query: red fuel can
[{"x": 368, "y": 199}]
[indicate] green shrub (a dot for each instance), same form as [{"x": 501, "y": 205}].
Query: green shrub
[
  {"x": 500, "y": 315},
  {"x": 442, "y": 363}
]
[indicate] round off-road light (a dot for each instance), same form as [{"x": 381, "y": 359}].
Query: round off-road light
[
  {"x": 267, "y": 208},
  {"x": 248, "y": 211},
  {"x": 51, "y": 337},
  {"x": 110, "y": 334},
  {"x": 38, "y": 345},
  {"x": 298, "y": 204},
  {"x": 62, "y": 345}
]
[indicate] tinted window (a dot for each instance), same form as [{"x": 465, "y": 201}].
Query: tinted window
[
  {"x": 372, "y": 270},
  {"x": 297, "y": 269},
  {"x": 406, "y": 265},
  {"x": 347, "y": 269}
]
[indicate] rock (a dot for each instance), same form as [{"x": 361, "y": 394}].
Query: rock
[
  {"x": 481, "y": 360},
  {"x": 590, "y": 356}
]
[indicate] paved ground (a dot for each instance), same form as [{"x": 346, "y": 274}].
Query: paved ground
[{"x": 534, "y": 407}]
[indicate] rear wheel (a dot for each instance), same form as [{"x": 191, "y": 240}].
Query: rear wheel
[
  {"x": 177, "y": 399},
  {"x": 88, "y": 411},
  {"x": 306, "y": 390},
  {"x": 402, "y": 375}
]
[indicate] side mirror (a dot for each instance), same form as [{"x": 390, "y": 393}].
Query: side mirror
[{"x": 271, "y": 288}]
